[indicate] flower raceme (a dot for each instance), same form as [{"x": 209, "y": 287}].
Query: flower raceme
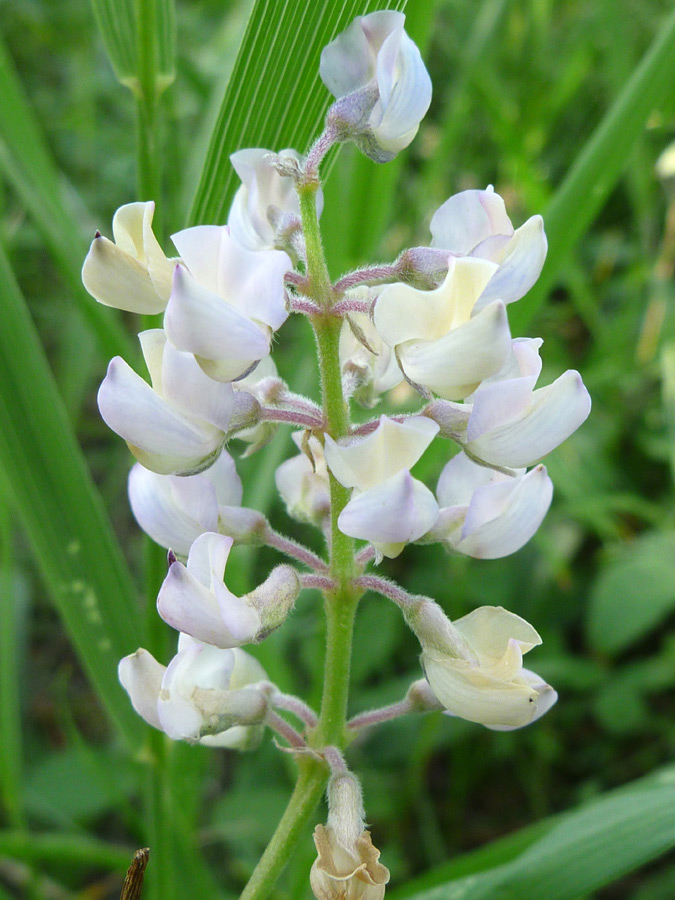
[{"x": 435, "y": 318}]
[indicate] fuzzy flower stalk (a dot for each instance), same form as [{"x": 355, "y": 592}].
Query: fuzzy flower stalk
[{"x": 435, "y": 323}]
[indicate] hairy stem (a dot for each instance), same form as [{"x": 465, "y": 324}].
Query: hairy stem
[
  {"x": 307, "y": 793},
  {"x": 341, "y": 593}
]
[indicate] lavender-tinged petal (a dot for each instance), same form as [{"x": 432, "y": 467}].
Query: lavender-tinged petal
[
  {"x": 520, "y": 265},
  {"x": 159, "y": 436},
  {"x": 468, "y": 218},
  {"x": 173, "y": 510},
  {"x": 555, "y": 412},
  {"x": 401, "y": 509},
  {"x": 503, "y": 517}
]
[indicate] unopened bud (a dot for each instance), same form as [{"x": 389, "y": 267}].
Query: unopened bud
[
  {"x": 274, "y": 599},
  {"x": 423, "y": 267},
  {"x": 434, "y": 629},
  {"x": 348, "y": 864},
  {"x": 452, "y": 418},
  {"x": 244, "y": 525},
  {"x": 345, "y": 808}
]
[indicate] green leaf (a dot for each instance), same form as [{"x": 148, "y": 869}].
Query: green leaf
[
  {"x": 633, "y": 593},
  {"x": 116, "y": 23},
  {"x": 274, "y": 97},
  {"x": 57, "y": 847},
  {"x": 599, "y": 165},
  {"x": 587, "y": 849},
  {"x": 29, "y": 168},
  {"x": 43, "y": 472}
]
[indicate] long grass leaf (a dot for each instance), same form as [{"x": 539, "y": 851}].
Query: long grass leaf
[
  {"x": 42, "y": 470},
  {"x": 587, "y": 849},
  {"x": 30, "y": 169},
  {"x": 600, "y": 164},
  {"x": 274, "y": 97},
  {"x": 116, "y": 23}
]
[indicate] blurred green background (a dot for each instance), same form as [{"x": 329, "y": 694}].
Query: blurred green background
[{"x": 519, "y": 88}]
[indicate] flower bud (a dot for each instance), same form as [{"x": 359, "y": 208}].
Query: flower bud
[
  {"x": 347, "y": 867},
  {"x": 274, "y": 599},
  {"x": 302, "y": 481},
  {"x": 205, "y": 695},
  {"x": 382, "y": 85},
  {"x": 133, "y": 273}
]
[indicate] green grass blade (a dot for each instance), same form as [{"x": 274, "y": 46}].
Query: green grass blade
[
  {"x": 600, "y": 164},
  {"x": 29, "y": 168},
  {"x": 12, "y": 646},
  {"x": 61, "y": 848},
  {"x": 274, "y": 97},
  {"x": 44, "y": 474},
  {"x": 587, "y": 849},
  {"x": 116, "y": 23},
  {"x": 165, "y": 19}
]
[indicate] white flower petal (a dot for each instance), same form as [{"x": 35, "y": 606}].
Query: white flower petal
[
  {"x": 173, "y": 510},
  {"x": 193, "y": 393},
  {"x": 133, "y": 273},
  {"x": 263, "y": 191},
  {"x": 157, "y": 434},
  {"x": 194, "y": 600},
  {"x": 116, "y": 279},
  {"x": 502, "y": 517},
  {"x": 251, "y": 281},
  {"x": 554, "y": 413},
  {"x": 520, "y": 265},
  {"x": 399, "y": 510},
  {"x": 141, "y": 677},
  {"x": 453, "y": 366},
  {"x": 403, "y": 313},
  {"x": 545, "y": 698},
  {"x": 405, "y": 91},
  {"x": 460, "y": 478},
  {"x": 392, "y": 447},
  {"x": 467, "y": 692},
  {"x": 498, "y": 404},
  {"x": 489, "y": 629},
  {"x": 201, "y": 322},
  {"x": 468, "y": 218}
]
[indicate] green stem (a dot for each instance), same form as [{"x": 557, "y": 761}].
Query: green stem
[
  {"x": 341, "y": 602},
  {"x": 307, "y": 793}
]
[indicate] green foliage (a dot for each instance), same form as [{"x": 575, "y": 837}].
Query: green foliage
[{"x": 634, "y": 593}]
